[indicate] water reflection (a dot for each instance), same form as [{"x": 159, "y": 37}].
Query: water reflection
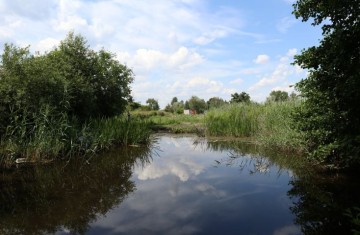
[
  {"x": 322, "y": 199},
  {"x": 189, "y": 186},
  {"x": 183, "y": 191},
  {"x": 43, "y": 200}
]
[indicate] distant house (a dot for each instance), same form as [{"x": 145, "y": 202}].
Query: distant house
[{"x": 189, "y": 111}]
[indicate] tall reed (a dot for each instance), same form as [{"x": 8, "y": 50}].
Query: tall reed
[
  {"x": 238, "y": 120},
  {"x": 276, "y": 126},
  {"x": 268, "y": 124},
  {"x": 49, "y": 134}
]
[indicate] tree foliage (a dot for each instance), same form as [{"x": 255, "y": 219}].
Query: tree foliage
[
  {"x": 215, "y": 102},
  {"x": 329, "y": 117},
  {"x": 238, "y": 98},
  {"x": 72, "y": 79},
  {"x": 175, "y": 106},
  {"x": 153, "y": 104},
  {"x": 197, "y": 104},
  {"x": 278, "y": 96}
]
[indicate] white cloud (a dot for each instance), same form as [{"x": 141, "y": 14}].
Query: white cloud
[
  {"x": 292, "y": 52},
  {"x": 280, "y": 74},
  {"x": 46, "y": 44},
  {"x": 262, "y": 59},
  {"x": 237, "y": 81},
  {"x": 148, "y": 59},
  {"x": 209, "y": 37},
  {"x": 285, "y": 24}
]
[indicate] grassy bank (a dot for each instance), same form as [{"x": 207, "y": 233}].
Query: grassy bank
[
  {"x": 267, "y": 124},
  {"x": 161, "y": 121},
  {"x": 48, "y": 136}
]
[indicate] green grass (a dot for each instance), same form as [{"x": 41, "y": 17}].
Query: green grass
[{"x": 174, "y": 123}]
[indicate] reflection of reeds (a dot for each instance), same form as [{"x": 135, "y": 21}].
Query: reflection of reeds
[
  {"x": 257, "y": 158},
  {"x": 50, "y": 134}
]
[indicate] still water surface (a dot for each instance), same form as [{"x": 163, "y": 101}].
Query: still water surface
[{"x": 185, "y": 185}]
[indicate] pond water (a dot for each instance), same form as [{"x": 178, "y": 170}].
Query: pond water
[{"x": 182, "y": 185}]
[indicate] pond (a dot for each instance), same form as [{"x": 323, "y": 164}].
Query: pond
[{"x": 181, "y": 185}]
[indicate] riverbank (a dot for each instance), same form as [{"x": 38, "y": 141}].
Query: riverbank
[
  {"x": 46, "y": 139},
  {"x": 267, "y": 124}
]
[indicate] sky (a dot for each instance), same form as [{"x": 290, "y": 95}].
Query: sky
[{"x": 176, "y": 48}]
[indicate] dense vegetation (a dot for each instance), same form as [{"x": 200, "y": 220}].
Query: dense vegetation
[
  {"x": 267, "y": 124},
  {"x": 64, "y": 102},
  {"x": 329, "y": 116}
]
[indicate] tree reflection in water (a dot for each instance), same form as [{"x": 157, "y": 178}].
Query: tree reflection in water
[
  {"x": 46, "y": 199},
  {"x": 321, "y": 198}
]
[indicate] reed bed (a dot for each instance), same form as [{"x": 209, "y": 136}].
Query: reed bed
[
  {"x": 50, "y": 135},
  {"x": 235, "y": 120},
  {"x": 277, "y": 127},
  {"x": 268, "y": 124}
]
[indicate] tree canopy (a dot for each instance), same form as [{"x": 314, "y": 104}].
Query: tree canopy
[
  {"x": 238, "y": 98},
  {"x": 197, "y": 104},
  {"x": 215, "y": 102},
  {"x": 153, "y": 104},
  {"x": 278, "y": 96},
  {"x": 329, "y": 117},
  {"x": 72, "y": 79}
]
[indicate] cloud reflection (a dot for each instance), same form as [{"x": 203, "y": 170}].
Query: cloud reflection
[{"x": 182, "y": 167}]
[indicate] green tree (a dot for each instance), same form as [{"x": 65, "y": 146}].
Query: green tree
[
  {"x": 329, "y": 117},
  {"x": 278, "y": 96},
  {"x": 98, "y": 84},
  {"x": 186, "y": 105},
  {"x": 238, "y": 98},
  {"x": 72, "y": 80},
  {"x": 197, "y": 104},
  {"x": 174, "y": 100},
  {"x": 153, "y": 104},
  {"x": 215, "y": 102},
  {"x": 175, "y": 106}
]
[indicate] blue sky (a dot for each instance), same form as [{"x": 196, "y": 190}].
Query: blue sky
[{"x": 176, "y": 48}]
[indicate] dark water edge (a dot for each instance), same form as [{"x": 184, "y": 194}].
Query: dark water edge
[{"x": 182, "y": 185}]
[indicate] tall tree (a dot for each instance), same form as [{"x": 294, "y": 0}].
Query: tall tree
[
  {"x": 278, "y": 96},
  {"x": 174, "y": 100},
  {"x": 153, "y": 104},
  {"x": 238, "y": 98},
  {"x": 215, "y": 102},
  {"x": 329, "y": 117},
  {"x": 198, "y": 104}
]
